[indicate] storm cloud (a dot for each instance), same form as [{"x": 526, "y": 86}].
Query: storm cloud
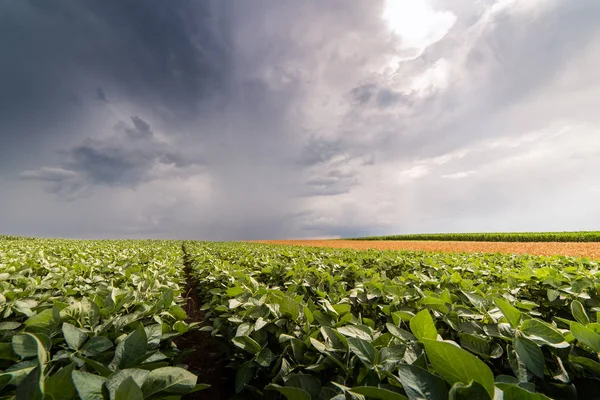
[
  {"x": 267, "y": 119},
  {"x": 129, "y": 157}
]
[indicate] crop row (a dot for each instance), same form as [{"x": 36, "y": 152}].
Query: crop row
[
  {"x": 91, "y": 319},
  {"x": 308, "y": 323},
  {"x": 584, "y": 236}
]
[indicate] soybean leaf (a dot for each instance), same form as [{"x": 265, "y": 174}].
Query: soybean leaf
[
  {"x": 475, "y": 299},
  {"x": 420, "y": 384},
  {"x": 24, "y": 345},
  {"x": 517, "y": 365},
  {"x": 342, "y": 309},
  {"x": 261, "y": 323},
  {"x": 198, "y": 387},
  {"x": 96, "y": 366},
  {"x": 169, "y": 380},
  {"x": 552, "y": 294},
  {"x": 399, "y": 316},
  {"x": 304, "y": 381},
  {"x": 153, "y": 334},
  {"x": 265, "y": 357},
  {"x": 458, "y": 365},
  {"x": 7, "y": 352},
  {"x": 289, "y": 307},
  {"x": 178, "y": 312},
  {"x": 514, "y": 392},
  {"x": 475, "y": 344},
  {"x": 364, "y": 350},
  {"x": 590, "y": 364},
  {"x": 60, "y": 385},
  {"x": 116, "y": 379},
  {"x": 32, "y": 387},
  {"x": 44, "y": 319},
  {"x": 19, "y": 371},
  {"x": 89, "y": 386},
  {"x": 29, "y": 344},
  {"x": 392, "y": 355},
  {"x": 333, "y": 338},
  {"x": 9, "y": 325},
  {"x": 356, "y": 331},
  {"x": 247, "y": 343},
  {"x": 472, "y": 391},
  {"x": 511, "y": 313},
  {"x": 586, "y": 336},
  {"x": 4, "y": 380},
  {"x": 128, "y": 390},
  {"x": 130, "y": 349},
  {"x": 74, "y": 336},
  {"x": 84, "y": 311},
  {"x": 96, "y": 345},
  {"x": 543, "y": 333},
  {"x": 400, "y": 333},
  {"x": 318, "y": 345},
  {"x": 243, "y": 375},
  {"x": 531, "y": 354},
  {"x": 579, "y": 312},
  {"x": 290, "y": 393},
  {"x": 422, "y": 326}
]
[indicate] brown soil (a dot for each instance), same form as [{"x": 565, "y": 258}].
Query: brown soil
[
  {"x": 207, "y": 359},
  {"x": 588, "y": 250}
]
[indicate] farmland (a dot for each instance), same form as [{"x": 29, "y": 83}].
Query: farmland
[
  {"x": 93, "y": 318},
  {"x": 107, "y": 320},
  {"x": 320, "y": 323},
  {"x": 583, "y": 236},
  {"x": 573, "y": 249}
]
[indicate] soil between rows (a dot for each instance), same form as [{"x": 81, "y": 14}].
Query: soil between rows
[
  {"x": 589, "y": 250},
  {"x": 206, "y": 359}
]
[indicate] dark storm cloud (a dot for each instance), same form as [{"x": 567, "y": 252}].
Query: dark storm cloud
[
  {"x": 331, "y": 183},
  {"x": 129, "y": 157},
  {"x": 164, "y": 55}
]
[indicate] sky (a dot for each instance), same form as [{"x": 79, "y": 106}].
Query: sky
[{"x": 265, "y": 119}]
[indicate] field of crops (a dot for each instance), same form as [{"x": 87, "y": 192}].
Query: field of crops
[
  {"x": 104, "y": 319},
  {"x": 93, "y": 318},
  {"x": 323, "y": 323},
  {"x": 584, "y": 236}
]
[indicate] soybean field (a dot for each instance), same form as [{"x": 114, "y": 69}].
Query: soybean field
[{"x": 135, "y": 319}]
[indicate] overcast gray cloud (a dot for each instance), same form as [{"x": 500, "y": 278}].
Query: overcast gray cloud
[
  {"x": 129, "y": 157},
  {"x": 277, "y": 119}
]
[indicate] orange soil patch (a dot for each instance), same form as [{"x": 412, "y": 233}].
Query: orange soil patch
[{"x": 588, "y": 250}]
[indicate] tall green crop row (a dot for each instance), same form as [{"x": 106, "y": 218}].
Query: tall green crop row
[
  {"x": 306, "y": 323},
  {"x": 91, "y": 319},
  {"x": 496, "y": 237}
]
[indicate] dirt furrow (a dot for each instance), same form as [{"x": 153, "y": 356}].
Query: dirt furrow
[{"x": 205, "y": 357}]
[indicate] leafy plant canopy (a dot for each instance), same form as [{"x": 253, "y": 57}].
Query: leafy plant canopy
[
  {"x": 97, "y": 320},
  {"x": 91, "y": 319},
  {"x": 314, "y": 323}
]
